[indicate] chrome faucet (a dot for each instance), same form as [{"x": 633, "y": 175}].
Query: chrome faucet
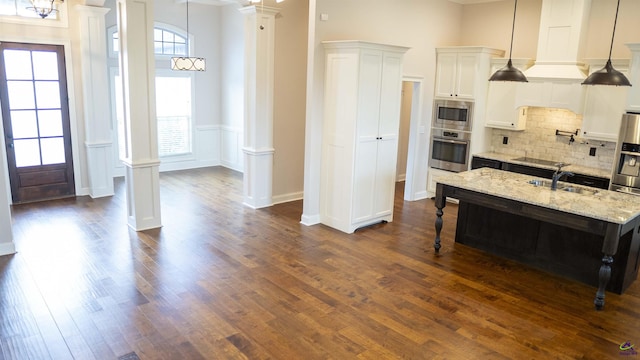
[{"x": 559, "y": 174}]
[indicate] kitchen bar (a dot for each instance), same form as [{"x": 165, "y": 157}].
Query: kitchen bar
[{"x": 566, "y": 231}]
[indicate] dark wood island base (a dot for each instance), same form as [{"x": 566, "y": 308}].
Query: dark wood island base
[{"x": 570, "y": 245}]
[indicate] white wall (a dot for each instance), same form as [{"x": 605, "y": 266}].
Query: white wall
[
  {"x": 206, "y": 28},
  {"x": 421, "y": 25},
  {"x": 232, "y": 87},
  {"x": 289, "y": 100},
  {"x": 490, "y": 24}
]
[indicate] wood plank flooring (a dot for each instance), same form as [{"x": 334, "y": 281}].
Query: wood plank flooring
[{"x": 222, "y": 281}]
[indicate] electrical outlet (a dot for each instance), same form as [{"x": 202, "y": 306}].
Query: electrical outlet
[
  {"x": 592, "y": 151},
  {"x": 505, "y": 140}
]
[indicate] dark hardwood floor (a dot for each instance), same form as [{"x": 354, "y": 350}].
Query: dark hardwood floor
[{"x": 222, "y": 281}]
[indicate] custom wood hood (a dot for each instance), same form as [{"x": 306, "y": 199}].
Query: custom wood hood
[{"x": 561, "y": 41}]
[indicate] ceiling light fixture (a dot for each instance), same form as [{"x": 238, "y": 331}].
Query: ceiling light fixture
[
  {"x": 43, "y": 7},
  {"x": 608, "y": 75},
  {"x": 187, "y": 63},
  {"x": 509, "y": 72}
]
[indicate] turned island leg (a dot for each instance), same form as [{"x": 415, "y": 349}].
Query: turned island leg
[
  {"x": 436, "y": 244},
  {"x": 441, "y": 201},
  {"x": 603, "y": 279}
]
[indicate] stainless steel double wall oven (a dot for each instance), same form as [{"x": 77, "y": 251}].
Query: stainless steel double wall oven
[{"x": 451, "y": 135}]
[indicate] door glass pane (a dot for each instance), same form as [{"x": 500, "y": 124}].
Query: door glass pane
[
  {"x": 23, "y": 124},
  {"x": 50, "y": 122},
  {"x": 45, "y": 65},
  {"x": 27, "y": 152},
  {"x": 18, "y": 64},
  {"x": 21, "y": 95},
  {"x": 52, "y": 151},
  {"x": 48, "y": 94}
]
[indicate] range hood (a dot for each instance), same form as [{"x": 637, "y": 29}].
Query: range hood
[{"x": 561, "y": 41}]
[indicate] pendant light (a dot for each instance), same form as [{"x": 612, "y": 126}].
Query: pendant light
[
  {"x": 187, "y": 63},
  {"x": 509, "y": 72},
  {"x": 608, "y": 75}
]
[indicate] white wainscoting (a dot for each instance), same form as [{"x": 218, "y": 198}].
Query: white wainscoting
[
  {"x": 213, "y": 145},
  {"x": 231, "y": 148}
]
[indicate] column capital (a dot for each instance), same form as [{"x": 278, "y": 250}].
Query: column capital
[
  {"x": 259, "y": 9},
  {"x": 92, "y": 10},
  {"x": 94, "y": 3}
]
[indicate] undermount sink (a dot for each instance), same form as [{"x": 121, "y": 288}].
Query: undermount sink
[
  {"x": 542, "y": 182},
  {"x": 580, "y": 190},
  {"x": 563, "y": 187}
]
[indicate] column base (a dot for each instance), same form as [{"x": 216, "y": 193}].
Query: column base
[
  {"x": 99, "y": 163},
  {"x": 258, "y": 177},
  {"x": 143, "y": 195}
]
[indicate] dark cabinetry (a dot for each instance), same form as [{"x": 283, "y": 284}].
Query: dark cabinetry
[
  {"x": 580, "y": 179},
  {"x": 587, "y": 180},
  {"x": 528, "y": 170},
  {"x": 478, "y": 162}
]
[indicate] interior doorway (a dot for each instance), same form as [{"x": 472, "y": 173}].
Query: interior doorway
[
  {"x": 35, "y": 114},
  {"x": 408, "y": 167}
]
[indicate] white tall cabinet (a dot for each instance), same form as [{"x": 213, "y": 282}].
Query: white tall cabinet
[{"x": 362, "y": 94}]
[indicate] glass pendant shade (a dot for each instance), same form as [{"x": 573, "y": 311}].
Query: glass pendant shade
[
  {"x": 43, "y": 7},
  {"x": 509, "y": 73},
  {"x": 608, "y": 75},
  {"x": 188, "y": 63}
]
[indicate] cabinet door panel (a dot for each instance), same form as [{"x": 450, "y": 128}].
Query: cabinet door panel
[
  {"x": 391, "y": 91},
  {"x": 385, "y": 176},
  {"x": 369, "y": 93},
  {"x": 446, "y": 75},
  {"x": 364, "y": 179},
  {"x": 603, "y": 112},
  {"x": 466, "y": 73}
]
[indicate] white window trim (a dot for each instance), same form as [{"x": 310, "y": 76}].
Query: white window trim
[
  {"x": 191, "y": 155},
  {"x": 157, "y": 25},
  {"x": 61, "y": 22}
]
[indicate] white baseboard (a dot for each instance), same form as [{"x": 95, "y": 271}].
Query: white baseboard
[
  {"x": 309, "y": 220},
  {"x": 7, "y": 248},
  {"x": 279, "y": 199},
  {"x": 420, "y": 195}
]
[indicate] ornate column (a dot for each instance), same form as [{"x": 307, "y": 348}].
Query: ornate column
[
  {"x": 259, "y": 31},
  {"x": 98, "y": 140},
  {"x": 137, "y": 71}
]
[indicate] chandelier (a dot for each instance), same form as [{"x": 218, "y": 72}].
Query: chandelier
[
  {"x": 43, "y": 7},
  {"x": 187, "y": 63}
]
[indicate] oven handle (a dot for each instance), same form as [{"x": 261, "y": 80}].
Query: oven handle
[{"x": 461, "y": 142}]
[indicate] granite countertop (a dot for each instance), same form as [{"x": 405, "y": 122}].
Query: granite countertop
[
  {"x": 609, "y": 206},
  {"x": 577, "y": 169}
]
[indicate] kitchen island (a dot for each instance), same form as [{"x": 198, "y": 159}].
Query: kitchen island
[{"x": 574, "y": 231}]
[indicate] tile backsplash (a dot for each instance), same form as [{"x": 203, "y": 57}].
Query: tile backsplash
[{"x": 539, "y": 140}]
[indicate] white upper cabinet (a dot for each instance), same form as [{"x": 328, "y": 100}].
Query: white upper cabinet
[
  {"x": 503, "y": 110},
  {"x": 457, "y": 69},
  {"x": 633, "y": 96},
  {"x": 604, "y": 106}
]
